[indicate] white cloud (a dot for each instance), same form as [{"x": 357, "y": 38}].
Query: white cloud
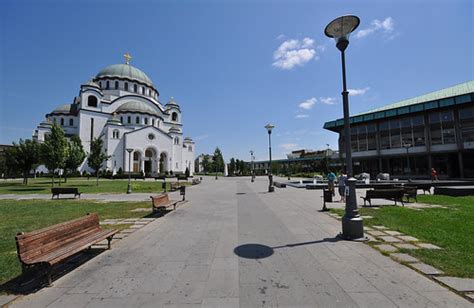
[
  {"x": 354, "y": 92},
  {"x": 280, "y": 37},
  {"x": 386, "y": 26},
  {"x": 301, "y": 116},
  {"x": 288, "y": 146},
  {"x": 293, "y": 53},
  {"x": 308, "y": 104},
  {"x": 328, "y": 100}
]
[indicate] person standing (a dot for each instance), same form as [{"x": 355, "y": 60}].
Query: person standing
[
  {"x": 341, "y": 185},
  {"x": 331, "y": 179}
]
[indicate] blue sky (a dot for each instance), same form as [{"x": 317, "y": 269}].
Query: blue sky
[{"x": 233, "y": 66}]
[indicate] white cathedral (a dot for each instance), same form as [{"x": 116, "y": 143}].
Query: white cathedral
[{"x": 121, "y": 106}]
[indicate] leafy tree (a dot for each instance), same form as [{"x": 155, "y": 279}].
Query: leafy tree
[
  {"x": 96, "y": 156},
  {"x": 206, "y": 164},
  {"x": 237, "y": 166},
  {"x": 54, "y": 150},
  {"x": 243, "y": 167},
  {"x": 218, "y": 161},
  {"x": 232, "y": 166},
  {"x": 23, "y": 157},
  {"x": 76, "y": 155}
]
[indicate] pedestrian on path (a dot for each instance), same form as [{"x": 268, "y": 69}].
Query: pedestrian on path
[
  {"x": 434, "y": 175},
  {"x": 341, "y": 185},
  {"x": 331, "y": 179}
]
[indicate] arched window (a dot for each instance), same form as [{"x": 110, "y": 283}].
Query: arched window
[
  {"x": 129, "y": 119},
  {"x": 100, "y": 84},
  {"x": 174, "y": 116},
  {"x": 126, "y": 86},
  {"x": 107, "y": 85},
  {"x": 143, "y": 90},
  {"x": 62, "y": 121},
  {"x": 190, "y": 148},
  {"x": 137, "y": 120},
  {"x": 116, "y": 85},
  {"x": 121, "y": 119},
  {"x": 71, "y": 122},
  {"x": 176, "y": 140},
  {"x": 146, "y": 121},
  {"x": 152, "y": 122},
  {"x": 92, "y": 101},
  {"x": 115, "y": 134},
  {"x": 135, "y": 88}
]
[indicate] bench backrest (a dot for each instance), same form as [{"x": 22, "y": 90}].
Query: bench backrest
[
  {"x": 385, "y": 193},
  {"x": 34, "y": 244},
  {"x": 64, "y": 190},
  {"x": 160, "y": 199}
]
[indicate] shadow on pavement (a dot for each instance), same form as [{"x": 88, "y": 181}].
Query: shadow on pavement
[
  {"x": 253, "y": 251},
  {"x": 324, "y": 240}
]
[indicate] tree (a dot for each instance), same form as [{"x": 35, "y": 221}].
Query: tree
[
  {"x": 76, "y": 155},
  {"x": 23, "y": 157},
  {"x": 187, "y": 173},
  {"x": 243, "y": 167},
  {"x": 206, "y": 164},
  {"x": 237, "y": 166},
  {"x": 218, "y": 161},
  {"x": 54, "y": 150},
  {"x": 232, "y": 166},
  {"x": 96, "y": 157}
]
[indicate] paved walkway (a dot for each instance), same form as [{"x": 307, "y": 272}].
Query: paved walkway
[{"x": 190, "y": 257}]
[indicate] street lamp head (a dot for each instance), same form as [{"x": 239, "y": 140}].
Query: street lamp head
[
  {"x": 129, "y": 150},
  {"x": 340, "y": 29},
  {"x": 269, "y": 128}
]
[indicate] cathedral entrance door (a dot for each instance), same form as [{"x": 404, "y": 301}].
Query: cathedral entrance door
[{"x": 148, "y": 167}]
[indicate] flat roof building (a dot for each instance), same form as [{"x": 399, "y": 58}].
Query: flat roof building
[{"x": 408, "y": 138}]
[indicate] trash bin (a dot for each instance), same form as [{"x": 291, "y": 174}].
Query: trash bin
[
  {"x": 182, "y": 191},
  {"x": 327, "y": 195}
]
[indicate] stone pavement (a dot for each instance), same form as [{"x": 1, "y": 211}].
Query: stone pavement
[{"x": 234, "y": 245}]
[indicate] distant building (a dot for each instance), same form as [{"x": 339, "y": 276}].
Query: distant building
[
  {"x": 198, "y": 162},
  {"x": 435, "y": 130},
  {"x": 305, "y": 153}
]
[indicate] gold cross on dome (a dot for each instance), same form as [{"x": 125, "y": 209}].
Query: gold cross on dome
[{"x": 127, "y": 57}]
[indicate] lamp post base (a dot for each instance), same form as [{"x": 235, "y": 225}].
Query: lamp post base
[
  {"x": 129, "y": 188},
  {"x": 271, "y": 189},
  {"x": 352, "y": 228}
]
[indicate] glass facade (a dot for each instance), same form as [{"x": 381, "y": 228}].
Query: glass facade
[{"x": 466, "y": 124}]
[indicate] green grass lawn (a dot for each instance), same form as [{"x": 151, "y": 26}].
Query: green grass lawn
[
  {"x": 43, "y": 186},
  {"x": 451, "y": 228},
  {"x": 28, "y": 215}
]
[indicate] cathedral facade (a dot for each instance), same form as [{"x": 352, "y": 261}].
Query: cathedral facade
[{"x": 121, "y": 106}]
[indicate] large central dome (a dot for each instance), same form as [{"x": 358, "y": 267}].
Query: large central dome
[{"x": 125, "y": 71}]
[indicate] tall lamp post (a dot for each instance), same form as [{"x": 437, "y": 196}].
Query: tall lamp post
[
  {"x": 269, "y": 128},
  {"x": 407, "y": 146},
  {"x": 327, "y": 156},
  {"x": 352, "y": 224},
  {"x": 129, "y": 187},
  {"x": 251, "y": 167}
]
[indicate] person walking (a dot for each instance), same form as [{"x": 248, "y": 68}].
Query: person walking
[
  {"x": 341, "y": 185},
  {"x": 434, "y": 175},
  {"x": 331, "y": 179}
]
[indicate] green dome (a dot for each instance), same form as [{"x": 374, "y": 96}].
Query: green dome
[
  {"x": 125, "y": 71},
  {"x": 138, "y": 107},
  {"x": 65, "y": 109}
]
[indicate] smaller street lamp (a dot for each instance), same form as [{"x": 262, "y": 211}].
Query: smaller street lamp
[
  {"x": 129, "y": 187},
  {"x": 251, "y": 166},
  {"x": 269, "y": 128},
  {"x": 407, "y": 146}
]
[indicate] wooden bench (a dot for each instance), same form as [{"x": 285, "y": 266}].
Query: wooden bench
[
  {"x": 390, "y": 194},
  {"x": 426, "y": 187},
  {"x": 51, "y": 245},
  {"x": 162, "y": 202},
  {"x": 56, "y": 191},
  {"x": 174, "y": 186}
]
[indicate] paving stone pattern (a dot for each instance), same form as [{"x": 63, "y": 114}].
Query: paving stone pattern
[{"x": 234, "y": 245}]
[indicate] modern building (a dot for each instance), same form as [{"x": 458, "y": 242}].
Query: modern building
[
  {"x": 121, "y": 105},
  {"x": 408, "y": 138}
]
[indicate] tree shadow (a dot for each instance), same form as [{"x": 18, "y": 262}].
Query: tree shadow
[
  {"x": 26, "y": 189},
  {"x": 35, "y": 279}
]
